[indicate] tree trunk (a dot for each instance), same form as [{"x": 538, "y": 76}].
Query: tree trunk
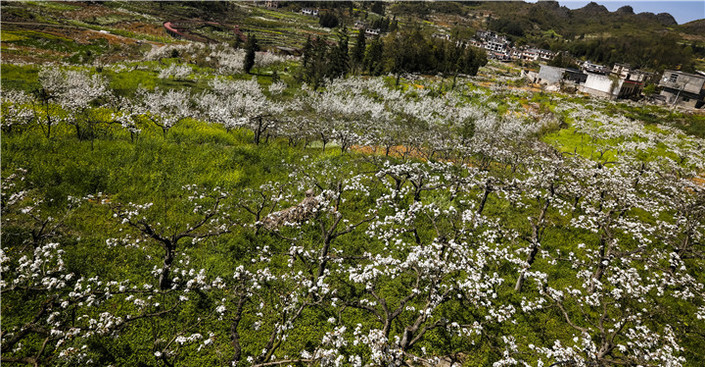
[
  {"x": 535, "y": 240},
  {"x": 165, "y": 276},
  {"x": 234, "y": 335},
  {"x": 605, "y": 253},
  {"x": 488, "y": 189}
]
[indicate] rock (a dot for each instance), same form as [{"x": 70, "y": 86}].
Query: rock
[
  {"x": 298, "y": 213},
  {"x": 666, "y": 19},
  {"x": 625, "y": 10}
]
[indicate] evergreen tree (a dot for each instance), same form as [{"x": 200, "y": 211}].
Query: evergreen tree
[
  {"x": 453, "y": 61},
  {"x": 473, "y": 60},
  {"x": 250, "y": 48},
  {"x": 374, "y": 57},
  {"x": 394, "y": 25},
  {"x": 307, "y": 51},
  {"x": 317, "y": 64},
  {"x": 339, "y": 58},
  {"x": 563, "y": 60},
  {"x": 378, "y": 7},
  {"x": 410, "y": 51},
  {"x": 328, "y": 20},
  {"x": 358, "y": 51}
]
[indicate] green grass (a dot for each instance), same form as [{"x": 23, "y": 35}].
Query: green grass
[
  {"x": 569, "y": 141},
  {"x": 10, "y": 36},
  {"x": 80, "y": 53},
  {"x": 53, "y": 5},
  {"x": 22, "y": 77},
  {"x": 690, "y": 123}
]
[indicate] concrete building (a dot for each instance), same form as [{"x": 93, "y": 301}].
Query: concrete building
[
  {"x": 621, "y": 83},
  {"x": 683, "y": 89},
  {"x": 601, "y": 85},
  {"x": 546, "y": 55},
  {"x": 554, "y": 75},
  {"x": 611, "y": 87},
  {"x": 530, "y": 55},
  {"x": 496, "y": 46},
  {"x": 550, "y": 74}
]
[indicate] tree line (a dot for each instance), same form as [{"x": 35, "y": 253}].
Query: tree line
[{"x": 400, "y": 52}]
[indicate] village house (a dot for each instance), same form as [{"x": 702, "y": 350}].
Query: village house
[
  {"x": 551, "y": 75},
  {"x": 503, "y": 55},
  {"x": 441, "y": 36},
  {"x": 633, "y": 81},
  {"x": 360, "y": 24},
  {"x": 683, "y": 89},
  {"x": 546, "y": 55},
  {"x": 373, "y": 31},
  {"x": 271, "y": 4},
  {"x": 530, "y": 54},
  {"x": 596, "y": 84},
  {"x": 475, "y": 43},
  {"x": 589, "y": 67},
  {"x": 311, "y": 12},
  {"x": 500, "y": 47},
  {"x": 495, "y": 46},
  {"x": 491, "y": 36},
  {"x": 492, "y": 42},
  {"x": 601, "y": 85},
  {"x": 621, "y": 70},
  {"x": 630, "y": 88},
  {"x": 484, "y": 34},
  {"x": 515, "y": 53},
  {"x": 613, "y": 87}
]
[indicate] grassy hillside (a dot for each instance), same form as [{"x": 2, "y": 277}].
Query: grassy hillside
[
  {"x": 162, "y": 207},
  {"x": 591, "y": 32}
]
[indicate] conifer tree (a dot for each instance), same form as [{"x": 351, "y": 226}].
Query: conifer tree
[
  {"x": 373, "y": 62},
  {"x": 358, "y": 51},
  {"x": 316, "y": 61},
  {"x": 339, "y": 58},
  {"x": 250, "y": 48},
  {"x": 308, "y": 48},
  {"x": 474, "y": 59}
]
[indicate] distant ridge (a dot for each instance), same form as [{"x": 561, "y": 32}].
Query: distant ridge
[{"x": 696, "y": 27}]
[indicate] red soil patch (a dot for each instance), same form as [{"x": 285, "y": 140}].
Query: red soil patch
[
  {"x": 396, "y": 151},
  {"x": 699, "y": 180}
]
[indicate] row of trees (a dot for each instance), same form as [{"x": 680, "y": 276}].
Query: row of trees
[{"x": 408, "y": 51}]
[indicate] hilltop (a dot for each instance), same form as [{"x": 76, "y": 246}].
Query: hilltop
[
  {"x": 84, "y": 31},
  {"x": 592, "y": 32}
]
